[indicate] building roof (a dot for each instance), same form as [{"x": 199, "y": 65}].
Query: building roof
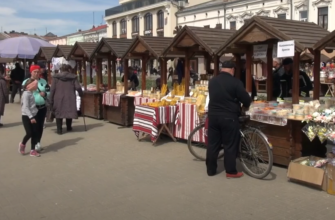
[
  {"x": 259, "y": 29},
  {"x": 326, "y": 42},
  {"x": 113, "y": 46},
  {"x": 62, "y": 51},
  {"x": 208, "y": 38},
  {"x": 45, "y": 53},
  {"x": 154, "y": 46},
  {"x": 82, "y": 49},
  {"x": 201, "y": 6}
]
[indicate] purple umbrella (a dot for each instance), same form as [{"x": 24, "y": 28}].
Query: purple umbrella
[{"x": 22, "y": 47}]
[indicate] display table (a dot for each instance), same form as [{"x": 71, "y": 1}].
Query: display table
[
  {"x": 118, "y": 109},
  {"x": 153, "y": 121},
  {"x": 91, "y": 104},
  {"x": 138, "y": 100},
  {"x": 187, "y": 120}
]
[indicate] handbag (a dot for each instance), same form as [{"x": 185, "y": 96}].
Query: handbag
[{"x": 50, "y": 115}]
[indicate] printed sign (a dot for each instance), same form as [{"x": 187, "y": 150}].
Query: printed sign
[
  {"x": 285, "y": 49},
  {"x": 260, "y": 51}
]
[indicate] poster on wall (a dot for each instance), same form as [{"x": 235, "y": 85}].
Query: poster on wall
[
  {"x": 285, "y": 49},
  {"x": 260, "y": 51}
]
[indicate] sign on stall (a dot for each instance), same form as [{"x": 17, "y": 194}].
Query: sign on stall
[
  {"x": 274, "y": 51},
  {"x": 285, "y": 49},
  {"x": 260, "y": 51}
]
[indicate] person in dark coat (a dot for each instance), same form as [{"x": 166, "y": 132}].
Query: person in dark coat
[
  {"x": 63, "y": 97},
  {"x": 4, "y": 99},
  {"x": 17, "y": 77},
  {"x": 278, "y": 71}
]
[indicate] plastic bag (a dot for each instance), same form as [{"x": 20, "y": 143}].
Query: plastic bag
[
  {"x": 321, "y": 133},
  {"x": 309, "y": 131}
]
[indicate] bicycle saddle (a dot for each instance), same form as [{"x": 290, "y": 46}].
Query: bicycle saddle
[{"x": 244, "y": 118}]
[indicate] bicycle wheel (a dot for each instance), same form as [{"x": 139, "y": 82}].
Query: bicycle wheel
[
  {"x": 198, "y": 149},
  {"x": 255, "y": 153}
]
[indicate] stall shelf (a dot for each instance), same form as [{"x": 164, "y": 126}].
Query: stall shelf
[
  {"x": 288, "y": 141},
  {"x": 121, "y": 110}
]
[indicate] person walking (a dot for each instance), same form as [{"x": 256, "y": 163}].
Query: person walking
[
  {"x": 4, "y": 96},
  {"x": 63, "y": 96},
  {"x": 226, "y": 93},
  {"x": 17, "y": 77},
  {"x": 29, "y": 112},
  {"x": 40, "y": 95}
]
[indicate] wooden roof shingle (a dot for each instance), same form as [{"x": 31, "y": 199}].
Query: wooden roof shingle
[
  {"x": 115, "y": 46},
  {"x": 327, "y": 42},
  {"x": 62, "y": 51},
  {"x": 305, "y": 34},
  {"x": 82, "y": 49},
  {"x": 208, "y": 38},
  {"x": 46, "y": 53}
]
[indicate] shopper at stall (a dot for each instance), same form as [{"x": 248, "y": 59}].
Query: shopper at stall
[
  {"x": 132, "y": 78},
  {"x": 17, "y": 77},
  {"x": 305, "y": 84},
  {"x": 4, "y": 98},
  {"x": 63, "y": 100},
  {"x": 40, "y": 95},
  {"x": 226, "y": 93},
  {"x": 243, "y": 79},
  {"x": 277, "y": 73}
]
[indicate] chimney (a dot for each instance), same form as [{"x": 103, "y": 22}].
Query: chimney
[
  {"x": 218, "y": 26},
  {"x": 93, "y": 27}
]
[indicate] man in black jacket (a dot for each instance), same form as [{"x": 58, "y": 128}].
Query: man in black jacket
[
  {"x": 226, "y": 93},
  {"x": 278, "y": 71},
  {"x": 17, "y": 77}
]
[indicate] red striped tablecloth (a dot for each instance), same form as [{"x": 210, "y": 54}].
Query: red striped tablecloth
[
  {"x": 141, "y": 100},
  {"x": 187, "y": 120},
  {"x": 147, "y": 119},
  {"x": 111, "y": 99}
]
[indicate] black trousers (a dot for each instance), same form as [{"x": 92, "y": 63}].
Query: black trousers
[
  {"x": 31, "y": 132},
  {"x": 59, "y": 123},
  {"x": 226, "y": 131},
  {"x": 15, "y": 87},
  {"x": 40, "y": 119}
]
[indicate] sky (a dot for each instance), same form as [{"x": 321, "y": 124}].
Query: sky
[{"x": 60, "y": 17}]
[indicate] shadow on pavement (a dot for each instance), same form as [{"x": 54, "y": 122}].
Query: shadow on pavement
[
  {"x": 61, "y": 144},
  {"x": 9, "y": 125},
  {"x": 81, "y": 128}
]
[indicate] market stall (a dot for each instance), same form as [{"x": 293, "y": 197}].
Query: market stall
[
  {"x": 46, "y": 54},
  {"x": 285, "y": 135},
  {"x": 91, "y": 102},
  {"x": 117, "y": 107}
]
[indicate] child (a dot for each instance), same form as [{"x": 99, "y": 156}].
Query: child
[{"x": 29, "y": 111}]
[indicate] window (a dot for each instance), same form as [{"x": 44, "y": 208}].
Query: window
[
  {"x": 148, "y": 24},
  {"x": 303, "y": 16},
  {"x": 323, "y": 17},
  {"x": 135, "y": 24},
  {"x": 206, "y": 26},
  {"x": 123, "y": 27},
  {"x": 281, "y": 16},
  {"x": 160, "y": 20},
  {"x": 114, "y": 29},
  {"x": 233, "y": 25}
]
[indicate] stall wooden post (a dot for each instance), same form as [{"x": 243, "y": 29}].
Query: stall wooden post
[
  {"x": 187, "y": 73},
  {"x": 295, "y": 83},
  {"x": 269, "y": 78},
  {"x": 98, "y": 73},
  {"x": 144, "y": 66},
  {"x": 316, "y": 75},
  {"x": 114, "y": 72},
  {"x": 91, "y": 72},
  {"x": 208, "y": 63},
  {"x": 125, "y": 76},
  {"x": 109, "y": 72},
  {"x": 163, "y": 71},
  {"x": 248, "y": 69},
  {"x": 238, "y": 65},
  {"x": 49, "y": 73},
  {"x": 84, "y": 74},
  {"x": 216, "y": 65},
  {"x": 79, "y": 71}
]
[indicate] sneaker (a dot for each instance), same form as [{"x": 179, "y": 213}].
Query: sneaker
[
  {"x": 237, "y": 175},
  {"x": 22, "y": 148},
  {"x": 34, "y": 153},
  {"x": 38, "y": 148}
]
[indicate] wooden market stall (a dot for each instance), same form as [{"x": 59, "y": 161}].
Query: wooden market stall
[
  {"x": 288, "y": 141},
  {"x": 46, "y": 54},
  {"x": 117, "y": 108},
  {"x": 91, "y": 102}
]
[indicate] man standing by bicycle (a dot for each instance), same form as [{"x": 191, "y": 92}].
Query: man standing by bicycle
[{"x": 226, "y": 93}]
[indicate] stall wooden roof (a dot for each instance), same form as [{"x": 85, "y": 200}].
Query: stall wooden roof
[
  {"x": 327, "y": 42},
  {"x": 153, "y": 46},
  {"x": 199, "y": 38},
  {"x": 112, "y": 46},
  {"x": 62, "y": 51},
  {"x": 260, "y": 29},
  {"x": 45, "y": 53},
  {"x": 82, "y": 49}
]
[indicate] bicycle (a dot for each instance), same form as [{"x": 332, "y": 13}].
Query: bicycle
[{"x": 250, "y": 152}]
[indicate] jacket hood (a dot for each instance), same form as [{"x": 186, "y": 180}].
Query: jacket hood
[{"x": 65, "y": 76}]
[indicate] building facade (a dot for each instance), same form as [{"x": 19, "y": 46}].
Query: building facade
[
  {"x": 232, "y": 13},
  {"x": 59, "y": 41},
  {"x": 95, "y": 34}
]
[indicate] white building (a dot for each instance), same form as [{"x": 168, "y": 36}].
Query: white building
[
  {"x": 95, "y": 34},
  {"x": 232, "y": 13}
]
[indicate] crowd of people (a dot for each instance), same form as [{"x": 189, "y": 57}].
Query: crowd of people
[{"x": 37, "y": 96}]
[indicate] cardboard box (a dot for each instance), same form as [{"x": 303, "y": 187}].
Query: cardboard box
[{"x": 310, "y": 176}]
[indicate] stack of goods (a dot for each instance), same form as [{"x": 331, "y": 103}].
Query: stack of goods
[
  {"x": 151, "y": 94},
  {"x": 161, "y": 103},
  {"x": 164, "y": 89},
  {"x": 179, "y": 90},
  {"x": 327, "y": 73},
  {"x": 119, "y": 87},
  {"x": 91, "y": 88}
]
